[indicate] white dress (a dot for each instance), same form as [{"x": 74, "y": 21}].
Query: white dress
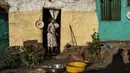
[{"x": 51, "y": 37}]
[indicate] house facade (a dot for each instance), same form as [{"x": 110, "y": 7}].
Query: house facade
[
  {"x": 23, "y": 15},
  {"x": 113, "y": 22},
  {"x": 107, "y": 17}
]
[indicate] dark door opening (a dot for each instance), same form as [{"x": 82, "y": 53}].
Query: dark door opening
[{"x": 46, "y": 17}]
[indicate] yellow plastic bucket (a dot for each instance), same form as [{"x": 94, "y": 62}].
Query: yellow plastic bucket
[{"x": 75, "y": 67}]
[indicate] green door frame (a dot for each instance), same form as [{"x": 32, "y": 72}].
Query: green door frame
[{"x": 4, "y": 37}]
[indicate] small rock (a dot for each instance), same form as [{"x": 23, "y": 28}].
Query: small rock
[{"x": 38, "y": 71}]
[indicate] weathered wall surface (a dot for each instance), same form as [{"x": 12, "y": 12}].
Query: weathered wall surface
[
  {"x": 37, "y": 5},
  {"x": 80, "y": 14},
  {"x": 22, "y": 27},
  {"x": 114, "y": 30},
  {"x": 83, "y": 23}
]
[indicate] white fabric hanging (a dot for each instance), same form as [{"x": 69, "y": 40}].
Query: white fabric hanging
[
  {"x": 51, "y": 12},
  {"x": 54, "y": 13}
]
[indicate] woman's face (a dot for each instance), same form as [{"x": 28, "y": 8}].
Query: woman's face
[{"x": 52, "y": 21}]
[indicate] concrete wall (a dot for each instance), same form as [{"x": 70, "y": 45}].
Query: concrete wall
[
  {"x": 22, "y": 27},
  {"x": 114, "y": 30},
  {"x": 80, "y": 14},
  {"x": 83, "y": 23},
  {"x": 37, "y": 5}
]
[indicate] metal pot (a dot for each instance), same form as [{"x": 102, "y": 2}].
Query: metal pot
[{"x": 56, "y": 68}]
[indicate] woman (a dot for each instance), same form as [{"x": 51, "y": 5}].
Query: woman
[{"x": 51, "y": 36}]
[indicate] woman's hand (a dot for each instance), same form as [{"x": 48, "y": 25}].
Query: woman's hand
[{"x": 56, "y": 34}]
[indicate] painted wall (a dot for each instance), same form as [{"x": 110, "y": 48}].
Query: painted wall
[
  {"x": 22, "y": 27},
  {"x": 83, "y": 23},
  {"x": 114, "y": 30},
  {"x": 37, "y": 5},
  {"x": 23, "y": 14}
]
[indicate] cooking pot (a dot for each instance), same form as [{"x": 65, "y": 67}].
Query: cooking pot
[{"x": 56, "y": 68}]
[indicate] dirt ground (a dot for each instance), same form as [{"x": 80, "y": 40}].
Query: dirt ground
[
  {"x": 32, "y": 68},
  {"x": 116, "y": 66}
]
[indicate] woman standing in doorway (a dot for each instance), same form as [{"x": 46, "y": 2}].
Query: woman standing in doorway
[{"x": 51, "y": 37}]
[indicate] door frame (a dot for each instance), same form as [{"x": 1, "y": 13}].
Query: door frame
[
  {"x": 4, "y": 10},
  {"x": 46, "y": 22}
]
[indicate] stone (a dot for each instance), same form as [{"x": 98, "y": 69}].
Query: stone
[
  {"x": 33, "y": 43},
  {"x": 125, "y": 56},
  {"x": 38, "y": 71}
]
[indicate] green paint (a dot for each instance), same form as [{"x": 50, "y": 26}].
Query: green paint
[
  {"x": 4, "y": 40},
  {"x": 114, "y": 30}
]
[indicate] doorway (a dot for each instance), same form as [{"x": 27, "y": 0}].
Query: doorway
[{"x": 46, "y": 17}]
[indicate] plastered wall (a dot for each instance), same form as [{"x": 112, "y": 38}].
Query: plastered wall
[
  {"x": 22, "y": 27},
  {"x": 80, "y": 14},
  {"x": 83, "y": 24},
  {"x": 36, "y": 5},
  {"x": 114, "y": 30}
]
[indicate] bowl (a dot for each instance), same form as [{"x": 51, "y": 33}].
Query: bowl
[
  {"x": 56, "y": 68},
  {"x": 75, "y": 67}
]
